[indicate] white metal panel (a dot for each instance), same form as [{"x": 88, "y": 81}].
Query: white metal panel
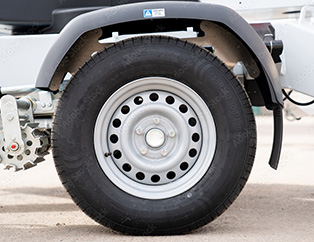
[
  {"x": 297, "y": 70},
  {"x": 258, "y": 4},
  {"x": 254, "y": 10},
  {"x": 21, "y": 58}
]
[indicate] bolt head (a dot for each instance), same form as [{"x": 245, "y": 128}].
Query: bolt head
[
  {"x": 49, "y": 105},
  {"x": 156, "y": 120},
  {"x": 14, "y": 146},
  {"x": 172, "y": 134},
  {"x": 9, "y": 104},
  {"x": 10, "y": 116},
  {"x": 138, "y": 131},
  {"x": 164, "y": 153},
  {"x": 144, "y": 151}
]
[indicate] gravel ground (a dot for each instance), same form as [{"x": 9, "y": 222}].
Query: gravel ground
[{"x": 274, "y": 206}]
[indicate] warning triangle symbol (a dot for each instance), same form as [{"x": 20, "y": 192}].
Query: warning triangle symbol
[{"x": 148, "y": 13}]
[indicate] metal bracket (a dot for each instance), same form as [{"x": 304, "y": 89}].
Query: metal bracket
[
  {"x": 13, "y": 142},
  {"x": 43, "y": 102},
  {"x": 303, "y": 14},
  {"x": 189, "y": 33}
]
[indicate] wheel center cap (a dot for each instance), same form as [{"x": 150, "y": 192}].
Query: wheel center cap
[{"x": 155, "y": 138}]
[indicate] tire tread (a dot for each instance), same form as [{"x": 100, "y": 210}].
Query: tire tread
[{"x": 243, "y": 97}]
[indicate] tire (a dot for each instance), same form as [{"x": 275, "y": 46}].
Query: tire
[{"x": 154, "y": 136}]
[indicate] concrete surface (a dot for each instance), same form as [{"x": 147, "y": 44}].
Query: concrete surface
[{"x": 274, "y": 206}]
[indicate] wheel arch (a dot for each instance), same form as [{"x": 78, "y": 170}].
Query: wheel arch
[{"x": 79, "y": 39}]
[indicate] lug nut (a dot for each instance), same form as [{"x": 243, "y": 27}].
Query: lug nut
[
  {"x": 164, "y": 153},
  {"x": 156, "y": 120},
  {"x": 172, "y": 134},
  {"x": 138, "y": 131},
  {"x": 144, "y": 151}
]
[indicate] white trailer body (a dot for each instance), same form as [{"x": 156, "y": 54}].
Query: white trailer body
[{"x": 152, "y": 102}]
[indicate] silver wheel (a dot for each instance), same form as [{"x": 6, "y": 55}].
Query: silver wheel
[{"x": 155, "y": 138}]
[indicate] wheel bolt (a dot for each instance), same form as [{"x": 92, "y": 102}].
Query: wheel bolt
[
  {"x": 144, "y": 151},
  {"x": 172, "y": 134},
  {"x": 164, "y": 153},
  {"x": 138, "y": 131},
  {"x": 156, "y": 120}
]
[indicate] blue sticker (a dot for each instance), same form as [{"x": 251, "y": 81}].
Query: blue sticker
[{"x": 148, "y": 13}]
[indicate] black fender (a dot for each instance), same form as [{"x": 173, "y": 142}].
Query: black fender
[{"x": 173, "y": 10}]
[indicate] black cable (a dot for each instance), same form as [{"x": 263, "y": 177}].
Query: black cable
[
  {"x": 295, "y": 102},
  {"x": 289, "y": 93}
]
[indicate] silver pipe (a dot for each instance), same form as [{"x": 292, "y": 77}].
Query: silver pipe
[{"x": 18, "y": 90}]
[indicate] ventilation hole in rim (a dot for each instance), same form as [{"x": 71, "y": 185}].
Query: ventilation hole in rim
[
  {"x": 127, "y": 167},
  {"x": 114, "y": 138},
  {"x": 19, "y": 157},
  {"x": 192, "y": 122},
  {"x": 125, "y": 109},
  {"x": 117, "y": 154},
  {"x": 183, "y": 108},
  {"x": 153, "y": 97},
  {"x": 171, "y": 175},
  {"x": 27, "y": 152},
  {"x": 195, "y": 137},
  {"x": 140, "y": 176},
  {"x": 192, "y": 153},
  {"x": 138, "y": 100},
  {"x": 155, "y": 178},
  {"x": 10, "y": 157},
  {"x": 116, "y": 123},
  {"x": 170, "y": 100},
  {"x": 184, "y": 166},
  {"x": 29, "y": 143},
  {"x": 3, "y": 148}
]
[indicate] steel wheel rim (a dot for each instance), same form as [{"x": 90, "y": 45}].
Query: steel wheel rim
[{"x": 161, "y": 142}]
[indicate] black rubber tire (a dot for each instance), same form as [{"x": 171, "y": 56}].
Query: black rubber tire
[{"x": 100, "y": 77}]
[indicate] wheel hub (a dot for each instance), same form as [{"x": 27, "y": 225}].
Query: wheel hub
[
  {"x": 148, "y": 150},
  {"x": 155, "y": 138}
]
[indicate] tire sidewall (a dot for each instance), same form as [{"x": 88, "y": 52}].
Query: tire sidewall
[{"x": 83, "y": 100}]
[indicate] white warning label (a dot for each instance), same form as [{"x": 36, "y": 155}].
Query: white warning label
[{"x": 154, "y": 13}]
